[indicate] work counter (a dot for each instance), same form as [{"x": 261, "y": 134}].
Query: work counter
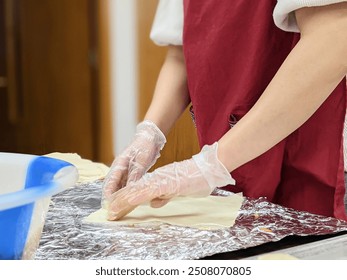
[{"x": 261, "y": 227}]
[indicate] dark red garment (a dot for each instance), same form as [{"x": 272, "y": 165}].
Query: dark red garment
[{"x": 232, "y": 50}]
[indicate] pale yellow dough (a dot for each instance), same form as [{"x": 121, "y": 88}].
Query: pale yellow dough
[
  {"x": 208, "y": 213},
  {"x": 276, "y": 256},
  {"x": 88, "y": 170}
]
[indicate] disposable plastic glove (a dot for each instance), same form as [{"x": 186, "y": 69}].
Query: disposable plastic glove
[
  {"x": 196, "y": 177},
  {"x": 135, "y": 160}
]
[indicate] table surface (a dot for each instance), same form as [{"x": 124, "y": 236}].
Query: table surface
[
  {"x": 331, "y": 246},
  {"x": 261, "y": 227}
]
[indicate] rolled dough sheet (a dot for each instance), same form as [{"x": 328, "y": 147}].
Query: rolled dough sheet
[
  {"x": 276, "y": 256},
  {"x": 208, "y": 213}
]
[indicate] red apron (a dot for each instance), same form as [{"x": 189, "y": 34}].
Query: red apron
[{"x": 232, "y": 51}]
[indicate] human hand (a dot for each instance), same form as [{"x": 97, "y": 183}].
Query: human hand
[
  {"x": 135, "y": 160},
  {"x": 195, "y": 177}
]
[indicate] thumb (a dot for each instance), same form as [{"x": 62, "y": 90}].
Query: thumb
[
  {"x": 157, "y": 202},
  {"x": 127, "y": 199}
]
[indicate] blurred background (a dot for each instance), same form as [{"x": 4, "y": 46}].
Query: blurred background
[{"x": 76, "y": 76}]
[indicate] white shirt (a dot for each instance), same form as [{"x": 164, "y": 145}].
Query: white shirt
[{"x": 167, "y": 27}]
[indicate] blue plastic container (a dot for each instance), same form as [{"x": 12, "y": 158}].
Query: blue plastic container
[{"x": 26, "y": 186}]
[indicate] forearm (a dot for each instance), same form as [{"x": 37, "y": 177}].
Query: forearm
[
  {"x": 171, "y": 93},
  {"x": 307, "y": 77}
]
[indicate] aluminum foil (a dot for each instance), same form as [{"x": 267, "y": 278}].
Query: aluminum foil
[{"x": 65, "y": 236}]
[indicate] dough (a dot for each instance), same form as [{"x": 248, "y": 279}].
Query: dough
[
  {"x": 88, "y": 170},
  {"x": 276, "y": 256},
  {"x": 208, "y": 213}
]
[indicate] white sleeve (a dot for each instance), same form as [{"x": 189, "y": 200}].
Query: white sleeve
[
  {"x": 284, "y": 11},
  {"x": 167, "y": 26}
]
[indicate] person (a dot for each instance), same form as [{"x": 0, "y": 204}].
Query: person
[{"x": 266, "y": 80}]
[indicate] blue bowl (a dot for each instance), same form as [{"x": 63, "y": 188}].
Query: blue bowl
[{"x": 26, "y": 186}]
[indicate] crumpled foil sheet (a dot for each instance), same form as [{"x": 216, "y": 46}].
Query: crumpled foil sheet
[{"x": 66, "y": 237}]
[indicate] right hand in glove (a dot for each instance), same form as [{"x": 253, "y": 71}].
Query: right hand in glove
[
  {"x": 195, "y": 177},
  {"x": 136, "y": 159}
]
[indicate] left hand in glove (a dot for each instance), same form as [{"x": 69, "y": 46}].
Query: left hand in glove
[{"x": 196, "y": 177}]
